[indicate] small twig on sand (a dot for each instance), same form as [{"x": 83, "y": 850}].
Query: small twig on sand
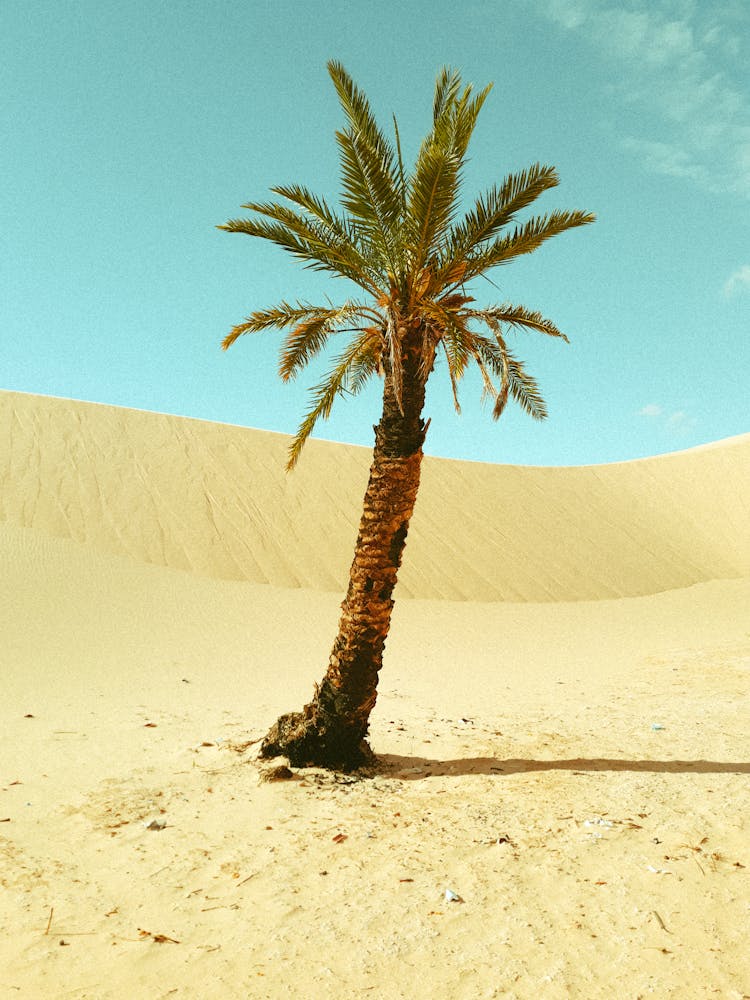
[
  {"x": 49, "y": 922},
  {"x": 67, "y": 934},
  {"x": 661, "y": 922},
  {"x": 241, "y": 747}
]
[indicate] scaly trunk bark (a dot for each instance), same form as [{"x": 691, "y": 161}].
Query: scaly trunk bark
[{"x": 330, "y": 731}]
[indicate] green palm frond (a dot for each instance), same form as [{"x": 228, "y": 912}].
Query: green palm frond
[
  {"x": 310, "y": 336},
  {"x": 277, "y": 234},
  {"x": 435, "y": 184},
  {"x": 524, "y": 239},
  {"x": 447, "y": 86},
  {"x": 401, "y": 173},
  {"x": 359, "y": 114},
  {"x": 433, "y": 192},
  {"x": 339, "y": 228},
  {"x": 307, "y": 240},
  {"x": 497, "y": 356},
  {"x": 359, "y": 357},
  {"x": 525, "y": 390},
  {"x": 441, "y": 321},
  {"x": 372, "y": 189},
  {"x": 497, "y": 208},
  {"x": 274, "y": 317},
  {"x": 302, "y": 344},
  {"x": 367, "y": 363},
  {"x": 370, "y": 197},
  {"x": 465, "y": 118}
]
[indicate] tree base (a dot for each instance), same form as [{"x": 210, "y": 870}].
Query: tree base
[{"x": 307, "y": 741}]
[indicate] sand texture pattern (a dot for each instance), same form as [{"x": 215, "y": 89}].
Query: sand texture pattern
[{"x": 563, "y": 724}]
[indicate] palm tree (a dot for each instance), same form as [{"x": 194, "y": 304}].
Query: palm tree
[{"x": 399, "y": 239}]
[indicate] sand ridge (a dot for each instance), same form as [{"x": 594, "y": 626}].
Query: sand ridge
[{"x": 214, "y": 499}]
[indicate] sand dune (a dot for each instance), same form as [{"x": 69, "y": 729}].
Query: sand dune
[
  {"x": 214, "y": 499},
  {"x": 564, "y": 723}
]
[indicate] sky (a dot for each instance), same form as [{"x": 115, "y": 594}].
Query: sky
[{"x": 131, "y": 129}]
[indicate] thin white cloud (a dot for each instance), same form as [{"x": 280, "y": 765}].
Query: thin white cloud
[
  {"x": 676, "y": 422},
  {"x": 677, "y": 62},
  {"x": 680, "y": 422},
  {"x": 738, "y": 281},
  {"x": 666, "y": 158},
  {"x": 650, "y": 410}
]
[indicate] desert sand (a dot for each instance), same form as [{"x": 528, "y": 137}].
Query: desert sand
[{"x": 563, "y": 722}]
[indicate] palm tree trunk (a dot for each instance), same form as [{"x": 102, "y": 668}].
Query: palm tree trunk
[{"x": 330, "y": 731}]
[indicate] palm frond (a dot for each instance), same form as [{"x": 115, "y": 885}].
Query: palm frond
[
  {"x": 501, "y": 398},
  {"x": 524, "y": 239},
  {"x": 350, "y": 363},
  {"x": 340, "y": 228},
  {"x": 441, "y": 318},
  {"x": 370, "y": 196},
  {"x": 401, "y": 173},
  {"x": 488, "y": 359},
  {"x": 372, "y": 190},
  {"x": 447, "y": 86},
  {"x": 514, "y": 378},
  {"x": 274, "y": 317},
  {"x": 367, "y": 362},
  {"x": 274, "y": 233},
  {"x": 452, "y": 378},
  {"x": 497, "y": 208},
  {"x": 436, "y": 181},
  {"x": 517, "y": 316},
  {"x": 433, "y": 193},
  {"x": 456, "y": 343},
  {"x": 310, "y": 336},
  {"x": 465, "y": 116},
  {"x": 493, "y": 355},
  {"x": 525, "y": 390},
  {"x": 307, "y": 240},
  {"x": 357, "y": 109},
  {"x": 302, "y": 344}
]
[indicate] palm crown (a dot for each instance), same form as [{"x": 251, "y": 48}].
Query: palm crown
[{"x": 400, "y": 240}]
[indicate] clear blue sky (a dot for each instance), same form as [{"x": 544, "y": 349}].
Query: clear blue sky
[{"x": 131, "y": 128}]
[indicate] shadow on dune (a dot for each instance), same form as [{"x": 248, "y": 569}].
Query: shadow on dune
[{"x": 415, "y": 768}]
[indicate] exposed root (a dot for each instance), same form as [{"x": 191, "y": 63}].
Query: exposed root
[{"x": 307, "y": 741}]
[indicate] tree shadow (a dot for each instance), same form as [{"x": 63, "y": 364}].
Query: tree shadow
[{"x": 418, "y": 768}]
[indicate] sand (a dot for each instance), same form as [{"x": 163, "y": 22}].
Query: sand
[{"x": 563, "y": 722}]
